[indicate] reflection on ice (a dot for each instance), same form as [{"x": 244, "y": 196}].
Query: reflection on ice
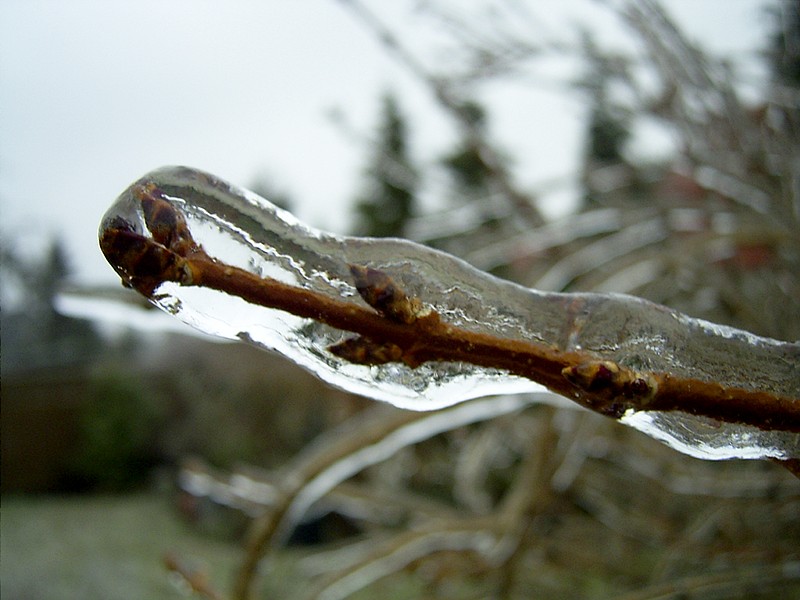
[
  {"x": 243, "y": 230},
  {"x": 712, "y": 440}
]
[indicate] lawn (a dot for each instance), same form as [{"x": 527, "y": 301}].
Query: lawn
[{"x": 109, "y": 547}]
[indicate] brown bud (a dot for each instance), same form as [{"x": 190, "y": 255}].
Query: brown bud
[
  {"x": 362, "y": 351},
  {"x": 167, "y": 226},
  {"x": 384, "y": 295},
  {"x": 140, "y": 262},
  {"x": 608, "y": 377}
]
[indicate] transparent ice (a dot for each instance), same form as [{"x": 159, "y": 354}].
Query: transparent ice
[{"x": 242, "y": 229}]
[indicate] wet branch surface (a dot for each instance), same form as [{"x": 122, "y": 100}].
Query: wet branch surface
[{"x": 395, "y": 328}]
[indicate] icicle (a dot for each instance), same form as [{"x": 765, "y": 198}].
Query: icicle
[{"x": 201, "y": 249}]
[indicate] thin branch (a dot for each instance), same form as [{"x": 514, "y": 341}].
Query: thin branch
[
  {"x": 444, "y": 94},
  {"x": 475, "y": 536},
  {"x": 396, "y": 329},
  {"x": 723, "y": 584},
  {"x": 528, "y": 498},
  {"x": 197, "y": 580},
  {"x": 274, "y": 525},
  {"x": 348, "y": 450}
]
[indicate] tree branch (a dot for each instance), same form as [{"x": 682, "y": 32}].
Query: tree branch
[{"x": 397, "y": 329}]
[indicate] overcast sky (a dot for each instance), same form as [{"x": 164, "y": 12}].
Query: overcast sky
[{"x": 93, "y": 94}]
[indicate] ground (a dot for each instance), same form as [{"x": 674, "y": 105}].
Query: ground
[{"x": 109, "y": 547}]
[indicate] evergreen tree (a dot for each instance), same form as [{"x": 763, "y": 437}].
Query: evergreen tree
[
  {"x": 784, "y": 47},
  {"x": 389, "y": 198},
  {"x": 465, "y": 165},
  {"x": 486, "y": 208},
  {"x": 607, "y": 128},
  {"x": 607, "y": 135},
  {"x": 783, "y": 57},
  {"x": 35, "y": 334}
]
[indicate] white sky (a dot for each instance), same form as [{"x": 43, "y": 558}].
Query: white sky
[{"x": 95, "y": 93}]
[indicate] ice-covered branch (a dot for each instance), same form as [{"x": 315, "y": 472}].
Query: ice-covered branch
[{"x": 431, "y": 331}]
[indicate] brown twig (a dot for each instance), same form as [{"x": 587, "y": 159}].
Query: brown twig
[
  {"x": 398, "y": 330},
  {"x": 270, "y": 528},
  {"x": 197, "y": 580}
]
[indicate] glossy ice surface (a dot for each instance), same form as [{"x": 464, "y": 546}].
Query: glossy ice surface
[{"x": 244, "y": 230}]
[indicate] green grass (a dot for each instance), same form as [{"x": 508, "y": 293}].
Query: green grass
[
  {"x": 113, "y": 547},
  {"x": 109, "y": 547}
]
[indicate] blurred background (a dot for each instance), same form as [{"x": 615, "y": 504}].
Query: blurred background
[{"x": 638, "y": 147}]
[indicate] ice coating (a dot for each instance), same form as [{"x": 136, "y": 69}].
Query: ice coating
[
  {"x": 239, "y": 228},
  {"x": 711, "y": 440}
]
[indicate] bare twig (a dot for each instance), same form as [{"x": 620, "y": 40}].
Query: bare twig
[
  {"x": 399, "y": 331},
  {"x": 197, "y": 580},
  {"x": 491, "y": 161},
  {"x": 723, "y": 584}
]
